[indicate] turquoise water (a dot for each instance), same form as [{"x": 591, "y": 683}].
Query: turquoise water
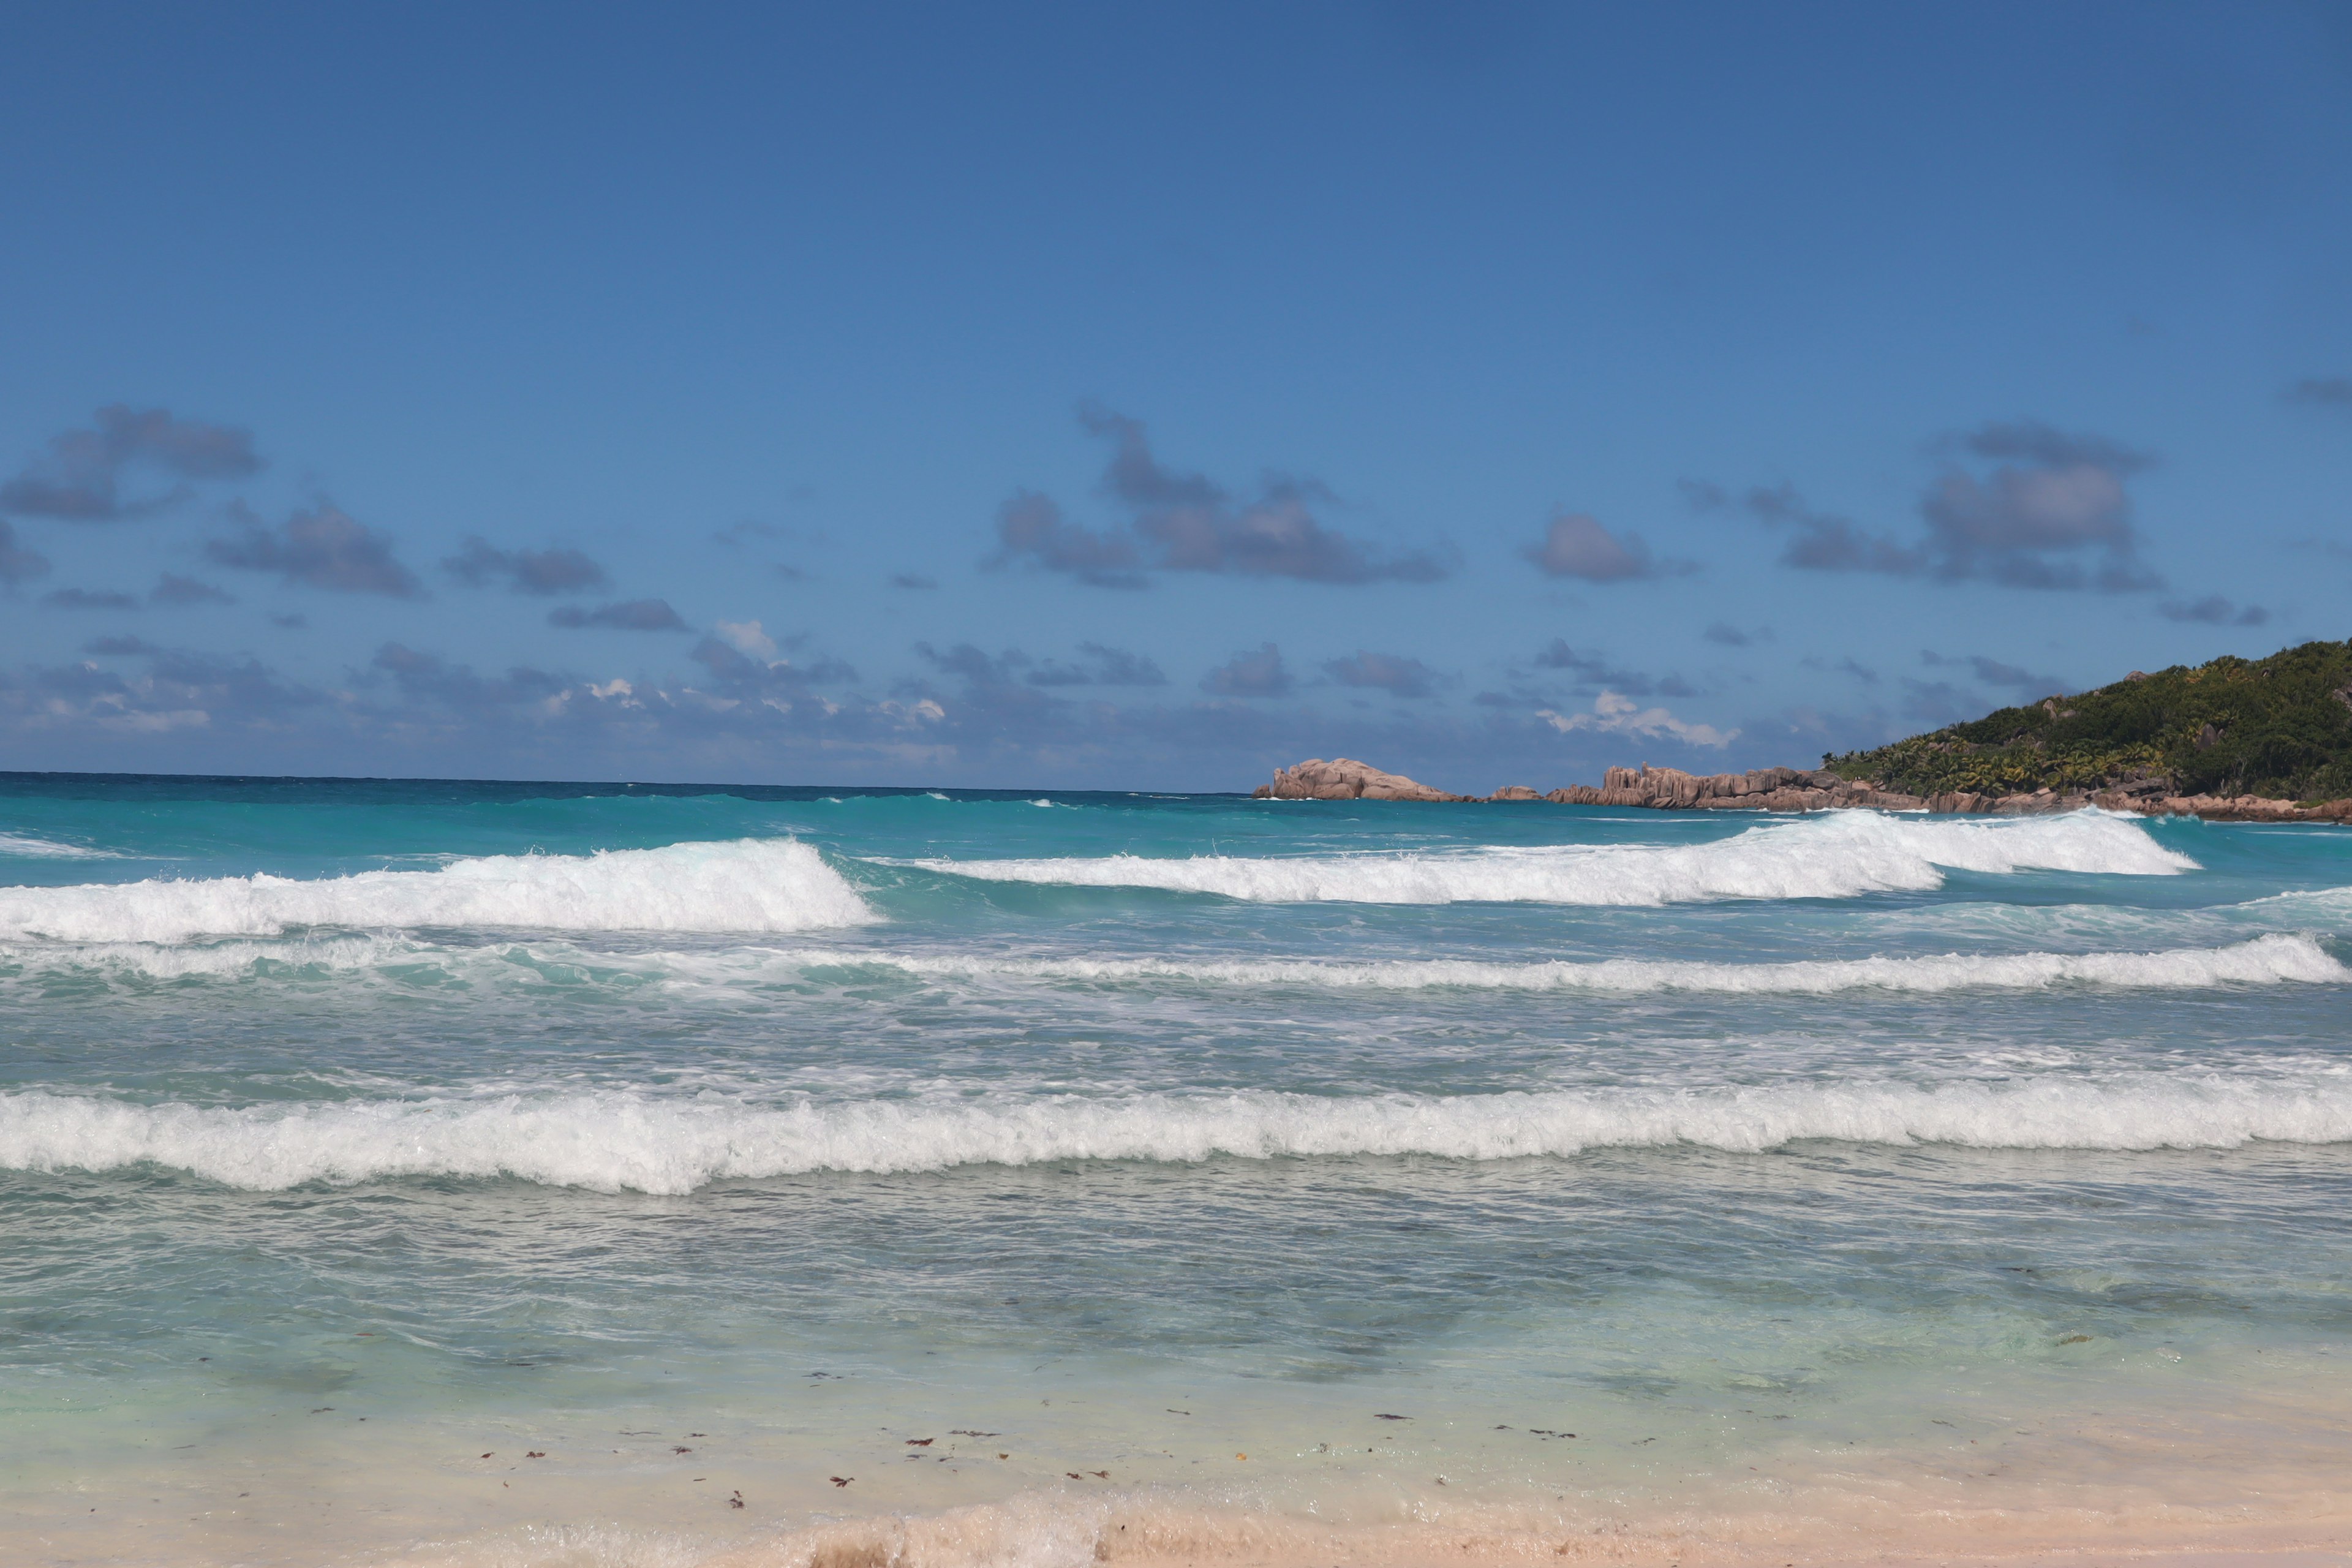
[{"x": 731, "y": 1141}]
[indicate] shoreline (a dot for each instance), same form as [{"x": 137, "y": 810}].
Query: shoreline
[
  {"x": 2219, "y": 1471},
  {"x": 1821, "y": 1522},
  {"x": 1786, "y": 790}
]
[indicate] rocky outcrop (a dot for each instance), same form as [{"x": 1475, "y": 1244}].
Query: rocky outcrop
[
  {"x": 1792, "y": 789},
  {"x": 2228, "y": 808},
  {"x": 1344, "y": 778},
  {"x": 1762, "y": 789}
]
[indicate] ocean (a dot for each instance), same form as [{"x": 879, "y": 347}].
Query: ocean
[{"x": 417, "y": 1171}]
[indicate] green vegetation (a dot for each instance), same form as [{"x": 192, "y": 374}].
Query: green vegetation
[{"x": 2280, "y": 727}]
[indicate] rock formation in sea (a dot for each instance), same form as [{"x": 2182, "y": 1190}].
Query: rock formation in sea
[{"x": 1344, "y": 778}]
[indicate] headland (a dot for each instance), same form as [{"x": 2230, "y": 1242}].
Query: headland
[{"x": 2231, "y": 740}]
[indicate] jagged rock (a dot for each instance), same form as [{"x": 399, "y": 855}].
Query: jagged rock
[
  {"x": 1344, "y": 778},
  {"x": 1959, "y": 802},
  {"x": 1514, "y": 792}
]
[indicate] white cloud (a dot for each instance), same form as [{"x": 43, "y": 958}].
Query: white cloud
[
  {"x": 1613, "y": 713},
  {"x": 748, "y": 638}
]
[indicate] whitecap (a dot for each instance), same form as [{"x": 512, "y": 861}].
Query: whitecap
[
  {"x": 748, "y": 885},
  {"x": 24, "y": 845},
  {"x": 1835, "y": 856},
  {"x": 2267, "y": 959},
  {"x": 627, "y": 1140}
]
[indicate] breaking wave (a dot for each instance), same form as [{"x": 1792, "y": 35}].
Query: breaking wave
[
  {"x": 2275, "y": 959},
  {"x": 23, "y": 846},
  {"x": 2264, "y": 961},
  {"x": 1835, "y": 856},
  {"x": 748, "y": 885},
  {"x": 620, "y": 1139}
]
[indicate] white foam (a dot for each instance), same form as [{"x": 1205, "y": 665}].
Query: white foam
[
  {"x": 2267, "y": 959},
  {"x": 626, "y": 1140},
  {"x": 1834, "y": 856},
  {"x": 25, "y": 847},
  {"x": 2276, "y": 959},
  {"x": 179, "y": 961},
  {"x": 748, "y": 885},
  {"x": 2325, "y": 910}
]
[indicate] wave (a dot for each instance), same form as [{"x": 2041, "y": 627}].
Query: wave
[
  {"x": 625, "y": 1140},
  {"x": 23, "y": 846},
  {"x": 230, "y": 959},
  {"x": 2275, "y": 959},
  {"x": 1835, "y": 856},
  {"x": 2266, "y": 959},
  {"x": 2326, "y": 909},
  {"x": 748, "y": 885}
]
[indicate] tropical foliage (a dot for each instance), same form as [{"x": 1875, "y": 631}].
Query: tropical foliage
[{"x": 2280, "y": 727}]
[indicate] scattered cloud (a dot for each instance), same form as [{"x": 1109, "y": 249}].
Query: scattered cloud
[
  {"x": 1107, "y": 665},
  {"x": 177, "y": 692},
  {"x": 2327, "y": 391},
  {"x": 2213, "y": 610},
  {"x": 1818, "y": 541},
  {"x": 541, "y": 571},
  {"x": 1729, "y": 635},
  {"x": 628, "y": 615},
  {"x": 1614, "y": 713},
  {"x": 748, "y": 638},
  {"x": 18, "y": 564},
  {"x": 292, "y": 623},
  {"x": 1393, "y": 673},
  {"x": 85, "y": 599},
  {"x": 1846, "y": 665},
  {"x": 1594, "y": 670},
  {"x": 1933, "y": 704},
  {"x": 1576, "y": 545},
  {"x": 1258, "y": 674},
  {"x": 914, "y": 580},
  {"x": 1993, "y": 672},
  {"x": 2020, "y": 504},
  {"x": 1031, "y": 527},
  {"x": 171, "y": 588},
  {"x": 2045, "y": 494},
  {"x": 992, "y": 699},
  {"x": 970, "y": 663},
  {"x": 322, "y": 547},
  {"x": 982, "y": 722},
  {"x": 1177, "y": 521},
  {"x": 429, "y": 678},
  {"x": 742, "y": 657},
  {"x": 79, "y": 478},
  {"x": 1117, "y": 666}
]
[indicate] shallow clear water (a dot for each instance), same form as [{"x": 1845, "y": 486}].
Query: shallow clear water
[{"x": 1129, "y": 1133}]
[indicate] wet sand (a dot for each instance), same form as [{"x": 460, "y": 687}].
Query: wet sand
[{"x": 2266, "y": 1480}]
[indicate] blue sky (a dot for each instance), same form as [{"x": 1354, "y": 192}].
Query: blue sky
[{"x": 1141, "y": 397}]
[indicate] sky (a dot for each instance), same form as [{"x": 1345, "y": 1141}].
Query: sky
[{"x": 1143, "y": 398}]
